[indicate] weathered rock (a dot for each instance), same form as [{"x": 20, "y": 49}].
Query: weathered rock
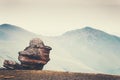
[
  {"x": 8, "y": 64},
  {"x": 35, "y": 56}
]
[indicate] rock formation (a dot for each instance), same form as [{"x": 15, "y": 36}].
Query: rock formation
[{"x": 35, "y": 56}]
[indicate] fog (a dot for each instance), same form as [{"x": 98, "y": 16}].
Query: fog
[{"x": 54, "y": 17}]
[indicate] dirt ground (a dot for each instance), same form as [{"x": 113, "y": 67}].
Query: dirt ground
[{"x": 52, "y": 75}]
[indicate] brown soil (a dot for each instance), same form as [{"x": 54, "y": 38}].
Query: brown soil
[{"x": 52, "y": 75}]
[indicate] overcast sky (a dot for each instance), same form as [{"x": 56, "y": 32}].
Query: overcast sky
[{"x": 54, "y": 17}]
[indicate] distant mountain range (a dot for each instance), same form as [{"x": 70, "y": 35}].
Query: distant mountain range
[{"x": 81, "y": 50}]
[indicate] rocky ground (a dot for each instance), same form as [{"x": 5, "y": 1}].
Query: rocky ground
[{"x": 52, "y": 75}]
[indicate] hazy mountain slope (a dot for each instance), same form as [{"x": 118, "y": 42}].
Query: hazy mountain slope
[
  {"x": 12, "y": 32},
  {"x": 81, "y": 50},
  {"x": 95, "y": 49}
]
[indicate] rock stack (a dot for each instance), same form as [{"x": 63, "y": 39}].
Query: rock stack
[{"x": 33, "y": 57}]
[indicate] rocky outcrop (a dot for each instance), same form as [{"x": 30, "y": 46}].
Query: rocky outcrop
[{"x": 33, "y": 57}]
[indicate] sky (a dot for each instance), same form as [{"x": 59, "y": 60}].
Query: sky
[{"x": 54, "y": 17}]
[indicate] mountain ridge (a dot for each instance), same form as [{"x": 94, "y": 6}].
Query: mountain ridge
[
  {"x": 87, "y": 29},
  {"x": 14, "y": 31}
]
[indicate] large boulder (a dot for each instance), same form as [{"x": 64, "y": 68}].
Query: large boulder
[{"x": 35, "y": 56}]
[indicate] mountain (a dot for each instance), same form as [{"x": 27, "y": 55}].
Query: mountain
[
  {"x": 95, "y": 48},
  {"x": 81, "y": 50},
  {"x": 10, "y": 32}
]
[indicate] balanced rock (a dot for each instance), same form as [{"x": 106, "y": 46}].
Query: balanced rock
[{"x": 35, "y": 56}]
